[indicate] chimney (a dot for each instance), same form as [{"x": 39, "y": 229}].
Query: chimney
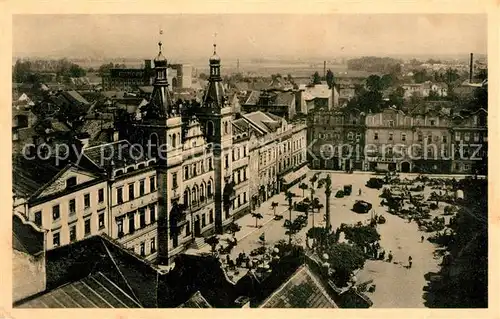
[
  {"x": 324, "y": 70},
  {"x": 471, "y": 67}
]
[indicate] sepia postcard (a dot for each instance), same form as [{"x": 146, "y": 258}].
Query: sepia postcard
[{"x": 176, "y": 157}]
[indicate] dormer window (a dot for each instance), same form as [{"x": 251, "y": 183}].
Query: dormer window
[{"x": 71, "y": 182}]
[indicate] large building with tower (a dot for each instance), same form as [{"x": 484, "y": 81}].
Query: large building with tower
[{"x": 179, "y": 172}]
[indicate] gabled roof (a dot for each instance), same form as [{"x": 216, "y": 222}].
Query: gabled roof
[
  {"x": 29, "y": 176},
  {"x": 302, "y": 290},
  {"x": 284, "y": 98},
  {"x": 252, "y": 98},
  {"x": 94, "y": 291},
  {"x": 261, "y": 121},
  {"x": 196, "y": 301},
  {"x": 75, "y": 97}
]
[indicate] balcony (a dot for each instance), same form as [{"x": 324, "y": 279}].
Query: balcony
[
  {"x": 134, "y": 204},
  {"x": 240, "y": 162}
]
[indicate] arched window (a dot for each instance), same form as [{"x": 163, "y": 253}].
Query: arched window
[
  {"x": 209, "y": 188},
  {"x": 186, "y": 197},
  {"x": 193, "y": 196},
  {"x": 210, "y": 128},
  {"x": 202, "y": 191}
]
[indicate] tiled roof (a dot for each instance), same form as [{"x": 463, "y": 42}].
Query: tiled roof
[
  {"x": 284, "y": 98},
  {"x": 25, "y": 237},
  {"x": 95, "y": 127},
  {"x": 94, "y": 291},
  {"x": 240, "y": 126},
  {"x": 122, "y": 154},
  {"x": 74, "y": 96},
  {"x": 31, "y": 175},
  {"x": 301, "y": 290},
  {"x": 260, "y": 120},
  {"x": 253, "y": 98},
  {"x": 196, "y": 301},
  {"x": 319, "y": 91}
]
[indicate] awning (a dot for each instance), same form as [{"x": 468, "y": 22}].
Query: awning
[{"x": 293, "y": 176}]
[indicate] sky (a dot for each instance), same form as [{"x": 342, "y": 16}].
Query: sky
[{"x": 248, "y": 36}]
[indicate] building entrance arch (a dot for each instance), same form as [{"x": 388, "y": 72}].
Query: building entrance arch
[{"x": 405, "y": 167}]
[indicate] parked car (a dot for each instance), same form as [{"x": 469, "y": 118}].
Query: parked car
[
  {"x": 374, "y": 182},
  {"x": 362, "y": 207},
  {"x": 347, "y": 190},
  {"x": 339, "y": 194}
]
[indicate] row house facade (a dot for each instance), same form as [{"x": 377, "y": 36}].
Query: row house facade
[
  {"x": 427, "y": 141},
  {"x": 336, "y": 139},
  {"x": 469, "y": 132}
]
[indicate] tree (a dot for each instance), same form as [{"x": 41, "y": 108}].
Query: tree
[
  {"x": 319, "y": 235},
  {"x": 303, "y": 187},
  {"x": 361, "y": 235},
  {"x": 274, "y": 205},
  {"x": 257, "y": 216},
  {"x": 344, "y": 258},
  {"x": 330, "y": 78},
  {"x": 213, "y": 241},
  {"x": 327, "y": 183},
  {"x": 316, "y": 78},
  {"x": 105, "y": 68},
  {"x": 202, "y": 76},
  {"x": 397, "y": 97},
  {"x": 387, "y": 80},
  {"x": 374, "y": 83},
  {"x": 233, "y": 228},
  {"x": 451, "y": 75},
  {"x": 420, "y": 76},
  {"x": 75, "y": 71}
]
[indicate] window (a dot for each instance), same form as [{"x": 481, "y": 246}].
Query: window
[
  {"x": 375, "y": 136},
  {"x": 142, "y": 217},
  {"x": 86, "y": 200},
  {"x": 445, "y": 138},
  {"x": 350, "y": 136},
  {"x": 141, "y": 188},
  {"x": 211, "y": 217},
  {"x": 131, "y": 223},
  {"x": 56, "y": 240},
  {"x": 70, "y": 182},
  {"x": 152, "y": 184},
  {"x": 391, "y": 136},
  {"x": 203, "y": 221},
  {"x": 210, "y": 164},
  {"x": 244, "y": 197},
  {"x": 131, "y": 194},
  {"x": 209, "y": 189},
  {"x": 55, "y": 213},
  {"x": 403, "y": 137},
  {"x": 467, "y": 136},
  {"x": 87, "y": 227},
  {"x": 119, "y": 224},
  {"x": 420, "y": 137},
  {"x": 174, "y": 180},
  {"x": 433, "y": 123},
  {"x": 72, "y": 233},
  {"x": 226, "y": 158},
  {"x": 186, "y": 172},
  {"x": 152, "y": 214},
  {"x": 244, "y": 151},
  {"x": 188, "y": 228},
  {"x": 119, "y": 195},
  {"x": 234, "y": 154},
  {"x": 143, "y": 249},
  {"x": 101, "y": 219},
  {"x": 100, "y": 195},
  {"x": 72, "y": 206},
  {"x": 476, "y": 137},
  {"x": 38, "y": 218},
  {"x": 429, "y": 138},
  {"x": 153, "y": 245}
]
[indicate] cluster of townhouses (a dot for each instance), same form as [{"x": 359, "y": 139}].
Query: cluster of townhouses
[
  {"x": 198, "y": 168},
  {"x": 425, "y": 140}
]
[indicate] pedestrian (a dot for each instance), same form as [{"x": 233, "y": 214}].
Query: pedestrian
[
  {"x": 389, "y": 257},
  {"x": 409, "y": 262},
  {"x": 422, "y": 239},
  {"x": 360, "y": 192}
]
